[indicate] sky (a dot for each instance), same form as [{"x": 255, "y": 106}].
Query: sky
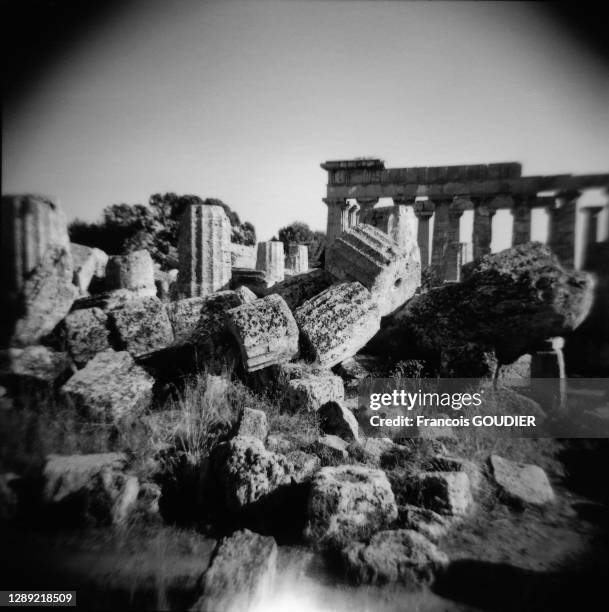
[{"x": 243, "y": 100}]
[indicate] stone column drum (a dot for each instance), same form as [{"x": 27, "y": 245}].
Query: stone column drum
[
  {"x": 297, "y": 258},
  {"x": 271, "y": 260},
  {"x": 561, "y": 235},
  {"x": 134, "y": 271},
  {"x": 204, "y": 251}
]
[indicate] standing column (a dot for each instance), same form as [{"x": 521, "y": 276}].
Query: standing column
[
  {"x": 483, "y": 226},
  {"x": 452, "y": 248},
  {"x": 204, "y": 253},
  {"x": 338, "y": 218},
  {"x": 561, "y": 236},
  {"x": 365, "y": 208},
  {"x": 521, "y": 213},
  {"x": 424, "y": 211},
  {"x": 353, "y": 215},
  {"x": 591, "y": 214},
  {"x": 439, "y": 244},
  {"x": 271, "y": 259}
]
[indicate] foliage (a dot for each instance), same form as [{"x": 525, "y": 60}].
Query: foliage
[
  {"x": 129, "y": 227},
  {"x": 300, "y": 233}
]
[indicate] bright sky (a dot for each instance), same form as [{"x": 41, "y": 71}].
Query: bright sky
[{"x": 243, "y": 100}]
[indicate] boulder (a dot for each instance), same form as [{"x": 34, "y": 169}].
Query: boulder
[
  {"x": 427, "y": 522},
  {"x": 253, "y": 423},
  {"x": 142, "y": 325},
  {"x": 241, "y": 575},
  {"x": 337, "y": 323},
  {"x": 308, "y": 394},
  {"x": 88, "y": 262},
  {"x": 86, "y": 334},
  {"x": 507, "y": 303},
  {"x": 445, "y": 492},
  {"x": 446, "y": 463},
  {"x": 402, "y": 556},
  {"x": 304, "y": 465},
  {"x": 299, "y": 288},
  {"x": 366, "y": 254},
  {"x": 247, "y": 473},
  {"x": 134, "y": 271},
  {"x": 265, "y": 331},
  {"x": 375, "y": 449},
  {"x": 111, "y": 386},
  {"x": 34, "y": 367},
  {"x": 521, "y": 483},
  {"x": 331, "y": 446},
  {"x": 46, "y": 297},
  {"x": 337, "y": 420},
  {"x": 348, "y": 502},
  {"x": 93, "y": 488}
]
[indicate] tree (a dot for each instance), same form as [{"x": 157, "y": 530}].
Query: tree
[{"x": 301, "y": 233}]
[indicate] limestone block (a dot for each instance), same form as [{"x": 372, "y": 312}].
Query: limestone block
[
  {"x": 366, "y": 254},
  {"x": 270, "y": 259},
  {"x": 253, "y": 423},
  {"x": 338, "y": 420},
  {"x": 248, "y": 473},
  {"x": 242, "y": 573},
  {"x": 111, "y": 386},
  {"x": 142, "y": 325},
  {"x": 309, "y": 393},
  {"x": 522, "y": 483},
  {"x": 338, "y": 322},
  {"x": 46, "y": 297},
  {"x": 266, "y": 332},
  {"x": 297, "y": 258},
  {"x": 255, "y": 280},
  {"x": 33, "y": 366},
  {"x": 88, "y": 262},
  {"x": 301, "y": 287},
  {"x": 86, "y": 334},
  {"x": 332, "y": 446},
  {"x": 134, "y": 271},
  {"x": 446, "y": 492},
  {"x": 348, "y": 502},
  {"x": 204, "y": 250},
  {"x": 401, "y": 556},
  {"x": 94, "y": 487}
]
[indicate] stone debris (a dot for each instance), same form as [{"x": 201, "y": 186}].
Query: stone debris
[
  {"x": 297, "y": 258},
  {"x": 299, "y": 288},
  {"x": 431, "y": 524},
  {"x": 111, "y": 386},
  {"x": 34, "y": 367},
  {"x": 247, "y": 472},
  {"x": 95, "y": 487},
  {"x": 402, "y": 556},
  {"x": 89, "y": 263},
  {"x": 45, "y": 299},
  {"x": 368, "y": 255},
  {"x": 338, "y": 322},
  {"x": 265, "y": 331},
  {"x": 333, "y": 446},
  {"x": 270, "y": 259},
  {"x": 241, "y": 575},
  {"x": 255, "y": 280},
  {"x": 86, "y": 334},
  {"x": 310, "y": 393},
  {"x": 445, "y": 492},
  {"x": 304, "y": 465},
  {"x": 348, "y": 502},
  {"x": 376, "y": 448},
  {"x": 253, "y": 423},
  {"x": 522, "y": 483},
  {"x": 337, "y": 420},
  {"x": 446, "y": 463},
  {"x": 142, "y": 325},
  {"x": 134, "y": 271}
]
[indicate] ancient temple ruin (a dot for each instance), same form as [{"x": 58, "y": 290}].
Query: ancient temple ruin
[{"x": 443, "y": 193}]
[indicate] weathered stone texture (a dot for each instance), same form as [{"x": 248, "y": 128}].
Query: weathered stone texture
[
  {"x": 446, "y": 492},
  {"x": 134, "y": 271},
  {"x": 88, "y": 263},
  {"x": 142, "y": 325},
  {"x": 204, "y": 249},
  {"x": 266, "y": 332},
  {"x": 299, "y": 288},
  {"x": 37, "y": 366},
  {"x": 338, "y": 322},
  {"x": 297, "y": 258},
  {"x": 242, "y": 574},
  {"x": 110, "y": 387},
  {"x": 522, "y": 483},
  {"x": 366, "y": 254},
  {"x": 270, "y": 259},
  {"x": 86, "y": 334},
  {"x": 348, "y": 502},
  {"x": 403, "y": 556},
  {"x": 95, "y": 487},
  {"x": 338, "y": 420},
  {"x": 309, "y": 393},
  {"x": 253, "y": 423}
]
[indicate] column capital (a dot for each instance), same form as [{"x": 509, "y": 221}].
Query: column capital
[
  {"x": 336, "y": 201},
  {"x": 367, "y": 202},
  {"x": 403, "y": 200},
  {"x": 424, "y": 208},
  {"x": 455, "y": 210}
]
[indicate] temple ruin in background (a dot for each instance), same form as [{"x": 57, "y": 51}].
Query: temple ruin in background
[{"x": 443, "y": 193}]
